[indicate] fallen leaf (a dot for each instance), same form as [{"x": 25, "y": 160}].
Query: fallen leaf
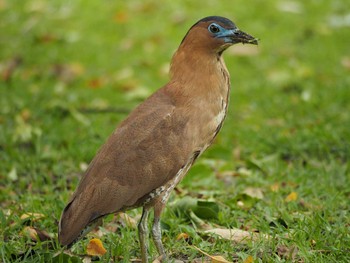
[
  {"x": 219, "y": 259},
  {"x": 36, "y": 234},
  {"x": 46, "y": 38},
  {"x": 76, "y": 68},
  {"x": 291, "y": 197},
  {"x": 254, "y": 192},
  {"x": 121, "y": 17},
  {"x": 345, "y": 61},
  {"x": 43, "y": 235},
  {"x": 182, "y": 236},
  {"x": 289, "y": 253},
  {"x": 30, "y": 231},
  {"x": 68, "y": 72},
  {"x": 242, "y": 171},
  {"x": 83, "y": 166},
  {"x": 340, "y": 20},
  {"x": 128, "y": 220},
  {"x": 24, "y": 132},
  {"x": 10, "y": 68},
  {"x": 95, "y": 248},
  {"x": 12, "y": 175},
  {"x": 290, "y": 7},
  {"x": 79, "y": 117},
  {"x": 25, "y": 114},
  {"x": 249, "y": 259},
  {"x": 240, "y": 203},
  {"x": 275, "y": 187},
  {"x": 95, "y": 83},
  {"x": 236, "y": 235},
  {"x": 32, "y": 216},
  {"x": 214, "y": 259}
]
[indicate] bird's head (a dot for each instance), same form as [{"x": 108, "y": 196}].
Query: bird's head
[{"x": 215, "y": 33}]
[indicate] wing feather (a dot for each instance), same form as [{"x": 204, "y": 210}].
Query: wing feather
[{"x": 144, "y": 152}]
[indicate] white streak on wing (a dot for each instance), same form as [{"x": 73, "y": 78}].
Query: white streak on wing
[
  {"x": 179, "y": 175},
  {"x": 221, "y": 116}
]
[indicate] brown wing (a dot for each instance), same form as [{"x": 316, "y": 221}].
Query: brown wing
[{"x": 144, "y": 152}]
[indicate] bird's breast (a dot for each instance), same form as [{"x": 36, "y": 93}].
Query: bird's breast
[{"x": 213, "y": 108}]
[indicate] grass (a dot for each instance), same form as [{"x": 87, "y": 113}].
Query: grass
[{"x": 71, "y": 70}]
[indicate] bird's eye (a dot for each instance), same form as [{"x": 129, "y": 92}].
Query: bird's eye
[{"x": 213, "y": 28}]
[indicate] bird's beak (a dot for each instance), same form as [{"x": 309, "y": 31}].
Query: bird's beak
[{"x": 238, "y": 36}]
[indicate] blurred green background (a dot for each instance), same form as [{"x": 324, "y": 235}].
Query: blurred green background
[{"x": 71, "y": 70}]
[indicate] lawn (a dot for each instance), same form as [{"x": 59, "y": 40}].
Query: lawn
[{"x": 279, "y": 169}]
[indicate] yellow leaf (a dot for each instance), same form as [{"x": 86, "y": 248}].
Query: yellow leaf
[
  {"x": 32, "y": 216},
  {"x": 218, "y": 259},
  {"x": 182, "y": 236},
  {"x": 95, "y": 248},
  {"x": 76, "y": 68},
  {"x": 249, "y": 259},
  {"x": 275, "y": 187},
  {"x": 214, "y": 259},
  {"x": 291, "y": 197}
]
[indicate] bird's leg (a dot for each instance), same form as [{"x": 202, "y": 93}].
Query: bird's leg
[
  {"x": 143, "y": 234},
  {"x": 156, "y": 230}
]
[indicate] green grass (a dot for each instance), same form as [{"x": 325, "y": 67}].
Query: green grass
[{"x": 288, "y": 127}]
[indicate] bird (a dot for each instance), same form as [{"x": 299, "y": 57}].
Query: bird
[{"x": 151, "y": 150}]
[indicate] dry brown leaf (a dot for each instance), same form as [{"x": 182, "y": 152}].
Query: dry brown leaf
[
  {"x": 95, "y": 248},
  {"x": 10, "y": 68},
  {"x": 236, "y": 235},
  {"x": 95, "y": 83},
  {"x": 293, "y": 196},
  {"x": 214, "y": 259},
  {"x": 289, "y": 253},
  {"x": 43, "y": 235},
  {"x": 36, "y": 234}
]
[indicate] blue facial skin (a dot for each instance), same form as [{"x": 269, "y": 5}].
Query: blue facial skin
[
  {"x": 221, "y": 32},
  {"x": 231, "y": 35}
]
